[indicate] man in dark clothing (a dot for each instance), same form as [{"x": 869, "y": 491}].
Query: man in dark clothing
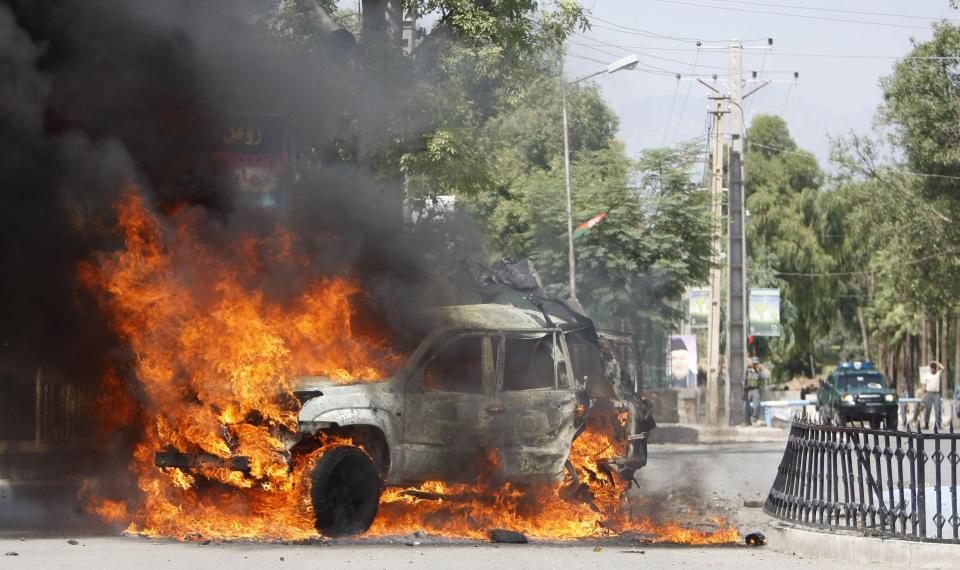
[{"x": 753, "y": 382}]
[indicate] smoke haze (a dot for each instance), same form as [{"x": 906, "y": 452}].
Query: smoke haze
[{"x": 97, "y": 95}]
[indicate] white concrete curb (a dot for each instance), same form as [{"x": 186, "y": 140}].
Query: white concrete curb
[{"x": 790, "y": 539}]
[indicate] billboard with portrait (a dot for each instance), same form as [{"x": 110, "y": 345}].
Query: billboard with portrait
[{"x": 683, "y": 361}]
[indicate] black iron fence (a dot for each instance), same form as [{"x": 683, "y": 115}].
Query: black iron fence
[{"x": 900, "y": 484}]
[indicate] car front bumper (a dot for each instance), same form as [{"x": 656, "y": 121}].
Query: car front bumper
[{"x": 868, "y": 411}]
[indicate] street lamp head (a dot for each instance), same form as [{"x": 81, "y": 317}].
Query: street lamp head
[{"x": 627, "y": 62}]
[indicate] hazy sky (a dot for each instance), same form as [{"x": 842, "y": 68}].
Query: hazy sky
[{"x": 836, "y": 92}]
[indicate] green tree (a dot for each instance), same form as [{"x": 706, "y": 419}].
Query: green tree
[
  {"x": 634, "y": 266},
  {"x": 922, "y": 104},
  {"x": 893, "y": 243},
  {"x": 480, "y": 62},
  {"x": 782, "y": 187}
]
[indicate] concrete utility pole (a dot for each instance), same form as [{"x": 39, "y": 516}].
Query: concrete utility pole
[
  {"x": 736, "y": 265},
  {"x": 737, "y": 286},
  {"x": 736, "y": 247},
  {"x": 735, "y": 82},
  {"x": 736, "y": 289},
  {"x": 716, "y": 244}
]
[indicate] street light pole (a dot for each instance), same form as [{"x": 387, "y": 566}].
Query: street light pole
[
  {"x": 628, "y": 62},
  {"x": 571, "y": 258}
]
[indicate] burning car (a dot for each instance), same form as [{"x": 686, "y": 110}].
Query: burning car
[
  {"x": 501, "y": 388},
  {"x": 488, "y": 378}
]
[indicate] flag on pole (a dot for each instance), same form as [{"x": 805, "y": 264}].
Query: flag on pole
[{"x": 588, "y": 225}]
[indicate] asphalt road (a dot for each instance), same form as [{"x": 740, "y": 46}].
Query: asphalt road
[
  {"x": 704, "y": 480},
  {"x": 726, "y": 470},
  {"x": 99, "y": 553}
]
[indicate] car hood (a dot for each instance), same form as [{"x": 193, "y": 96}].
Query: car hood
[{"x": 329, "y": 385}]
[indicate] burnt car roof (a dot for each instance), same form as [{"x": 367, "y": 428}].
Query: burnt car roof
[{"x": 493, "y": 316}]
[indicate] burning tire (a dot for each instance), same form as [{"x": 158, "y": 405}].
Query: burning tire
[{"x": 345, "y": 492}]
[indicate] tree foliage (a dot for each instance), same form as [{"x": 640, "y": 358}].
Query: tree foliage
[
  {"x": 922, "y": 104},
  {"x": 475, "y": 112},
  {"x": 783, "y": 190}
]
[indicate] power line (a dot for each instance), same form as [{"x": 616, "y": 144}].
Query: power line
[
  {"x": 615, "y": 46},
  {"x": 694, "y": 64},
  {"x": 612, "y": 54},
  {"x": 645, "y": 69},
  {"x": 687, "y": 63},
  {"x": 778, "y": 53},
  {"x": 763, "y": 65},
  {"x": 888, "y": 169},
  {"x": 775, "y": 13},
  {"x": 786, "y": 100},
  {"x": 869, "y": 271},
  {"x": 673, "y": 104},
  {"x": 686, "y": 97},
  {"x": 833, "y": 10},
  {"x": 647, "y": 33},
  {"x": 585, "y": 57},
  {"x": 868, "y": 56},
  {"x": 595, "y": 48}
]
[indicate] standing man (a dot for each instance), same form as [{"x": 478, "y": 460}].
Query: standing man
[
  {"x": 931, "y": 397},
  {"x": 753, "y": 381}
]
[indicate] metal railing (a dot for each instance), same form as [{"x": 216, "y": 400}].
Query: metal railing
[{"x": 901, "y": 484}]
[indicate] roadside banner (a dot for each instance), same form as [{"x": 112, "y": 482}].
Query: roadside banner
[
  {"x": 764, "y": 312},
  {"x": 683, "y": 361},
  {"x": 699, "y": 306}
]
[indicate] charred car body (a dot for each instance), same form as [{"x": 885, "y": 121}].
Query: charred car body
[{"x": 521, "y": 382}]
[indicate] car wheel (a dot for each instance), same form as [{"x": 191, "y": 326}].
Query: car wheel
[
  {"x": 345, "y": 492},
  {"x": 840, "y": 420},
  {"x": 892, "y": 419},
  {"x": 874, "y": 423}
]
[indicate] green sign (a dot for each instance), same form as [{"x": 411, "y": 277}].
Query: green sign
[
  {"x": 764, "y": 312},
  {"x": 699, "y": 307}
]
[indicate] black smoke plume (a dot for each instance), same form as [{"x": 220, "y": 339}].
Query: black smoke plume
[{"x": 98, "y": 94}]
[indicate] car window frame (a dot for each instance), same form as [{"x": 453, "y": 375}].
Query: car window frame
[
  {"x": 488, "y": 384},
  {"x": 561, "y": 381},
  {"x": 884, "y": 385},
  {"x": 572, "y": 380}
]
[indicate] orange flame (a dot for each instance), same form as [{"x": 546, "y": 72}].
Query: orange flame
[
  {"x": 217, "y": 360},
  {"x": 211, "y": 355}
]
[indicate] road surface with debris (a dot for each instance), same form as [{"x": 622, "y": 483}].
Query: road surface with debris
[
  {"x": 720, "y": 478},
  {"x": 142, "y": 553}
]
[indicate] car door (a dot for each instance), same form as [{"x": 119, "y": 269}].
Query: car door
[
  {"x": 446, "y": 425},
  {"x": 535, "y": 404}
]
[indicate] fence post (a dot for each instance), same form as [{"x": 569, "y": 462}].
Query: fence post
[
  {"x": 912, "y": 456},
  {"x": 938, "y": 518},
  {"x": 921, "y": 506},
  {"x": 953, "y": 459},
  {"x": 902, "y": 505},
  {"x": 843, "y": 443}
]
